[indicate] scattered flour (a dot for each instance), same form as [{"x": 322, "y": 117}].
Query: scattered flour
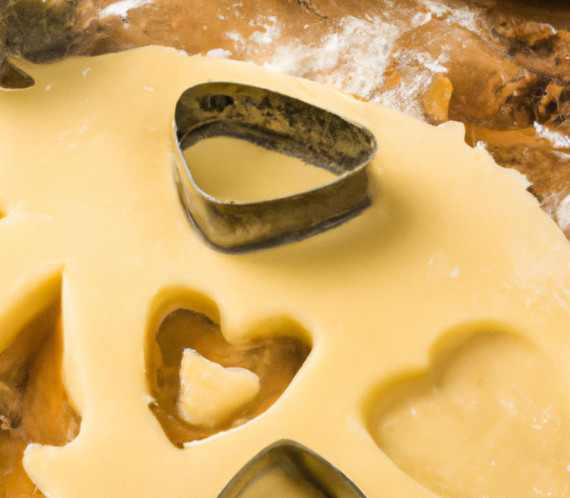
[
  {"x": 122, "y": 8},
  {"x": 421, "y": 18},
  {"x": 271, "y": 31},
  {"x": 434, "y": 66},
  {"x": 355, "y": 55},
  {"x": 468, "y": 16},
  {"x": 219, "y": 53},
  {"x": 438, "y": 9},
  {"x": 403, "y": 97},
  {"x": 257, "y": 42},
  {"x": 559, "y": 140},
  {"x": 563, "y": 213},
  {"x": 353, "y": 58}
]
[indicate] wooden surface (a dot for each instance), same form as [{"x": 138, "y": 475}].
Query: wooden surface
[{"x": 502, "y": 67}]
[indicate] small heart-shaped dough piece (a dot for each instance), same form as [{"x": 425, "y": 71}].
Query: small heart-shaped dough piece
[{"x": 210, "y": 393}]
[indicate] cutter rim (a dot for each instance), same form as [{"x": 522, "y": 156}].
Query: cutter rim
[{"x": 209, "y": 109}]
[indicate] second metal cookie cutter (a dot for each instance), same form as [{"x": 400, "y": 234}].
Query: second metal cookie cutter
[{"x": 283, "y": 124}]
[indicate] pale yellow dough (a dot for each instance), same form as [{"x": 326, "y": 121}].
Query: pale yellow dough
[
  {"x": 235, "y": 170},
  {"x": 452, "y": 248},
  {"x": 209, "y": 393}
]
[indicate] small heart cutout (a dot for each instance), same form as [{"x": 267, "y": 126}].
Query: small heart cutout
[
  {"x": 211, "y": 394},
  {"x": 192, "y": 374},
  {"x": 489, "y": 418}
]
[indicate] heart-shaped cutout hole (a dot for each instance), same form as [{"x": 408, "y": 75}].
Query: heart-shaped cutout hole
[
  {"x": 187, "y": 368},
  {"x": 489, "y": 418},
  {"x": 34, "y": 405}
]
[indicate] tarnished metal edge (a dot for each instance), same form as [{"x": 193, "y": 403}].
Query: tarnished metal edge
[
  {"x": 291, "y": 452},
  {"x": 287, "y": 125}
]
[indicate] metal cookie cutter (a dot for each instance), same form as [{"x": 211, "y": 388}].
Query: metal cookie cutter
[
  {"x": 283, "y": 124},
  {"x": 297, "y": 465}
]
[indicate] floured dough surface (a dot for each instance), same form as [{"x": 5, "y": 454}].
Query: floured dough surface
[{"x": 452, "y": 250}]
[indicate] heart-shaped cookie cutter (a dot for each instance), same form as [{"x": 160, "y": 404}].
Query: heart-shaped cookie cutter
[
  {"x": 298, "y": 464},
  {"x": 283, "y": 124}
]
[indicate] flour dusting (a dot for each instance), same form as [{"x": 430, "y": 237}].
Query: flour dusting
[
  {"x": 269, "y": 32},
  {"x": 563, "y": 213},
  {"x": 122, "y": 8},
  {"x": 468, "y": 16},
  {"x": 352, "y": 58},
  {"x": 559, "y": 140},
  {"x": 220, "y": 53}
]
